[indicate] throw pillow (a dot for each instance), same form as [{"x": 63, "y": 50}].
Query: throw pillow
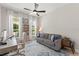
[{"x": 52, "y": 37}]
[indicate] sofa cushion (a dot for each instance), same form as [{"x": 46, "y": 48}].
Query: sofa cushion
[
  {"x": 57, "y": 36},
  {"x": 49, "y": 42},
  {"x": 49, "y": 36},
  {"x": 52, "y": 37},
  {"x": 38, "y": 34},
  {"x": 42, "y": 35},
  {"x": 46, "y": 35}
]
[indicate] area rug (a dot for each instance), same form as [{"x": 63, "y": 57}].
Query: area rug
[{"x": 35, "y": 49}]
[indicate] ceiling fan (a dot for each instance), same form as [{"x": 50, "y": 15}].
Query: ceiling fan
[{"x": 35, "y": 9}]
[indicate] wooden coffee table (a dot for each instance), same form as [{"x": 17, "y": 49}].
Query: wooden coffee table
[{"x": 9, "y": 47}]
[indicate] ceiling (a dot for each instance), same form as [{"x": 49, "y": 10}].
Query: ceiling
[{"x": 49, "y": 7}]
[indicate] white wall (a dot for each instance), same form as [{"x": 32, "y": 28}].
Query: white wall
[
  {"x": 38, "y": 23},
  {"x": 0, "y": 19},
  {"x": 3, "y": 18},
  {"x": 64, "y": 21}
]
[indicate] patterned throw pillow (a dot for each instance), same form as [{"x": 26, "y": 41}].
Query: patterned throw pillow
[
  {"x": 52, "y": 37},
  {"x": 46, "y": 36},
  {"x": 41, "y": 35},
  {"x": 38, "y": 34},
  {"x": 49, "y": 36}
]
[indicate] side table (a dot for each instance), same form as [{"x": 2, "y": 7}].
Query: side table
[{"x": 67, "y": 43}]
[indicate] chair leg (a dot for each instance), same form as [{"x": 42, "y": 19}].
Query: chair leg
[
  {"x": 73, "y": 50},
  {"x": 18, "y": 53}
]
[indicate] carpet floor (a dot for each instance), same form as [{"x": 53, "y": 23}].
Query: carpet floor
[{"x": 35, "y": 49}]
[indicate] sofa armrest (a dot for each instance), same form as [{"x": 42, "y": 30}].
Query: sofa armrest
[{"x": 57, "y": 44}]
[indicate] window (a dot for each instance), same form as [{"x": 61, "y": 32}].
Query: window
[{"x": 16, "y": 26}]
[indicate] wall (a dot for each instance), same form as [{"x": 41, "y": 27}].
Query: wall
[
  {"x": 0, "y": 19},
  {"x": 3, "y": 18},
  {"x": 38, "y": 23},
  {"x": 64, "y": 21}
]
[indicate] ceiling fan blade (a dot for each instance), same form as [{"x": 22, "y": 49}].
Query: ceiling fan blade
[
  {"x": 36, "y": 6},
  {"x": 37, "y": 14},
  {"x": 27, "y": 9},
  {"x": 41, "y": 11}
]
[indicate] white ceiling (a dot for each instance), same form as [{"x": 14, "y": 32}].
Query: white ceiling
[{"x": 49, "y": 7}]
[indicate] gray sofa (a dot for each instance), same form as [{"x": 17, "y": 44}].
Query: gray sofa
[{"x": 52, "y": 41}]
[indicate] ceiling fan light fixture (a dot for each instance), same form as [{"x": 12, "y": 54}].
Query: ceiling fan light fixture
[{"x": 33, "y": 13}]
